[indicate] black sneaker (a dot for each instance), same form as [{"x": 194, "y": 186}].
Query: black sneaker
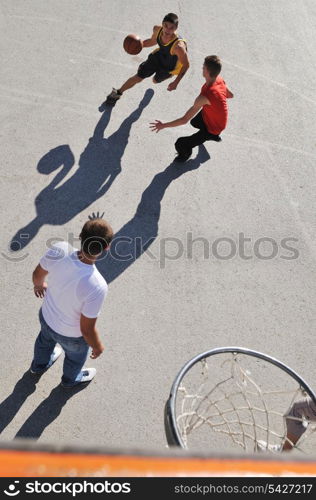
[{"x": 114, "y": 96}]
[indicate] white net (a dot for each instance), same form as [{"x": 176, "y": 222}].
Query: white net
[{"x": 245, "y": 401}]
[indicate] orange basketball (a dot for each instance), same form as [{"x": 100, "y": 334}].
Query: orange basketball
[{"x": 132, "y": 44}]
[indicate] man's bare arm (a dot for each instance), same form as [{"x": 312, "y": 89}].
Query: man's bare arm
[
  {"x": 181, "y": 52},
  {"x": 91, "y": 335},
  {"x": 150, "y": 42},
  {"x": 198, "y": 103},
  {"x": 39, "y": 275}
]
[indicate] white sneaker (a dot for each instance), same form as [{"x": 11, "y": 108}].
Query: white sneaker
[
  {"x": 55, "y": 355},
  {"x": 87, "y": 375},
  {"x": 262, "y": 446}
]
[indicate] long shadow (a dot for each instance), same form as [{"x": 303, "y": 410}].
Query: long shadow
[
  {"x": 136, "y": 236},
  {"x": 99, "y": 165},
  {"x": 47, "y": 412},
  {"x": 11, "y": 405}
]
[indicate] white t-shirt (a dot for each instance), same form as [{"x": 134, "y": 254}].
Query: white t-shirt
[{"x": 73, "y": 288}]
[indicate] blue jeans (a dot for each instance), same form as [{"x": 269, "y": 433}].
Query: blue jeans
[{"x": 76, "y": 352}]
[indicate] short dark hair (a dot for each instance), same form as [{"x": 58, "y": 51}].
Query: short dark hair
[
  {"x": 96, "y": 235},
  {"x": 213, "y": 65},
  {"x": 171, "y": 18}
]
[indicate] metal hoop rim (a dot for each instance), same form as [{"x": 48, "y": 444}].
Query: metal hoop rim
[{"x": 172, "y": 433}]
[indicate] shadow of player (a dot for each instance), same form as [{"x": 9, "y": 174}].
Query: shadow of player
[
  {"x": 47, "y": 411},
  {"x": 136, "y": 236},
  {"x": 99, "y": 165}
]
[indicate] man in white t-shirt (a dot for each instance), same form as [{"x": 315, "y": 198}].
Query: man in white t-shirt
[{"x": 72, "y": 302}]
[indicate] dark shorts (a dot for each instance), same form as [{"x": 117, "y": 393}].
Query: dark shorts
[
  {"x": 152, "y": 66},
  {"x": 184, "y": 145},
  {"x": 198, "y": 122}
]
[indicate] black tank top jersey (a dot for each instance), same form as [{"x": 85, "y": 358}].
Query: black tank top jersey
[{"x": 168, "y": 60}]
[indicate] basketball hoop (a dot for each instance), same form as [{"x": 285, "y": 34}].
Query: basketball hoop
[{"x": 234, "y": 395}]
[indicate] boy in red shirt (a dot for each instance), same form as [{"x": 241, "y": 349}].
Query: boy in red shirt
[{"x": 211, "y": 119}]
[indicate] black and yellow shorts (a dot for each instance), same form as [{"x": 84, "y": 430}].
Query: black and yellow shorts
[{"x": 153, "y": 66}]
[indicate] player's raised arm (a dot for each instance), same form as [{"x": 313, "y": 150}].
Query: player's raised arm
[
  {"x": 181, "y": 52},
  {"x": 198, "y": 103},
  {"x": 150, "y": 42}
]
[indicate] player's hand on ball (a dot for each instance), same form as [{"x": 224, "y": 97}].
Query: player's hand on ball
[
  {"x": 172, "y": 86},
  {"x": 156, "y": 126},
  {"x": 40, "y": 290},
  {"x": 97, "y": 351}
]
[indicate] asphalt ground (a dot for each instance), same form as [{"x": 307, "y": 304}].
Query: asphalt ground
[{"x": 62, "y": 160}]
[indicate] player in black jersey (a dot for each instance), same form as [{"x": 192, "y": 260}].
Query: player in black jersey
[{"x": 169, "y": 59}]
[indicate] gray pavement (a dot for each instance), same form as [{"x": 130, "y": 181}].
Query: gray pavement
[{"x": 58, "y": 61}]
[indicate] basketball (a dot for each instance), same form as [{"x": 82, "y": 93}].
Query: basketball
[{"x": 132, "y": 44}]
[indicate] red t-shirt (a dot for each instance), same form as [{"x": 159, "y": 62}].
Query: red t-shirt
[{"x": 215, "y": 114}]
